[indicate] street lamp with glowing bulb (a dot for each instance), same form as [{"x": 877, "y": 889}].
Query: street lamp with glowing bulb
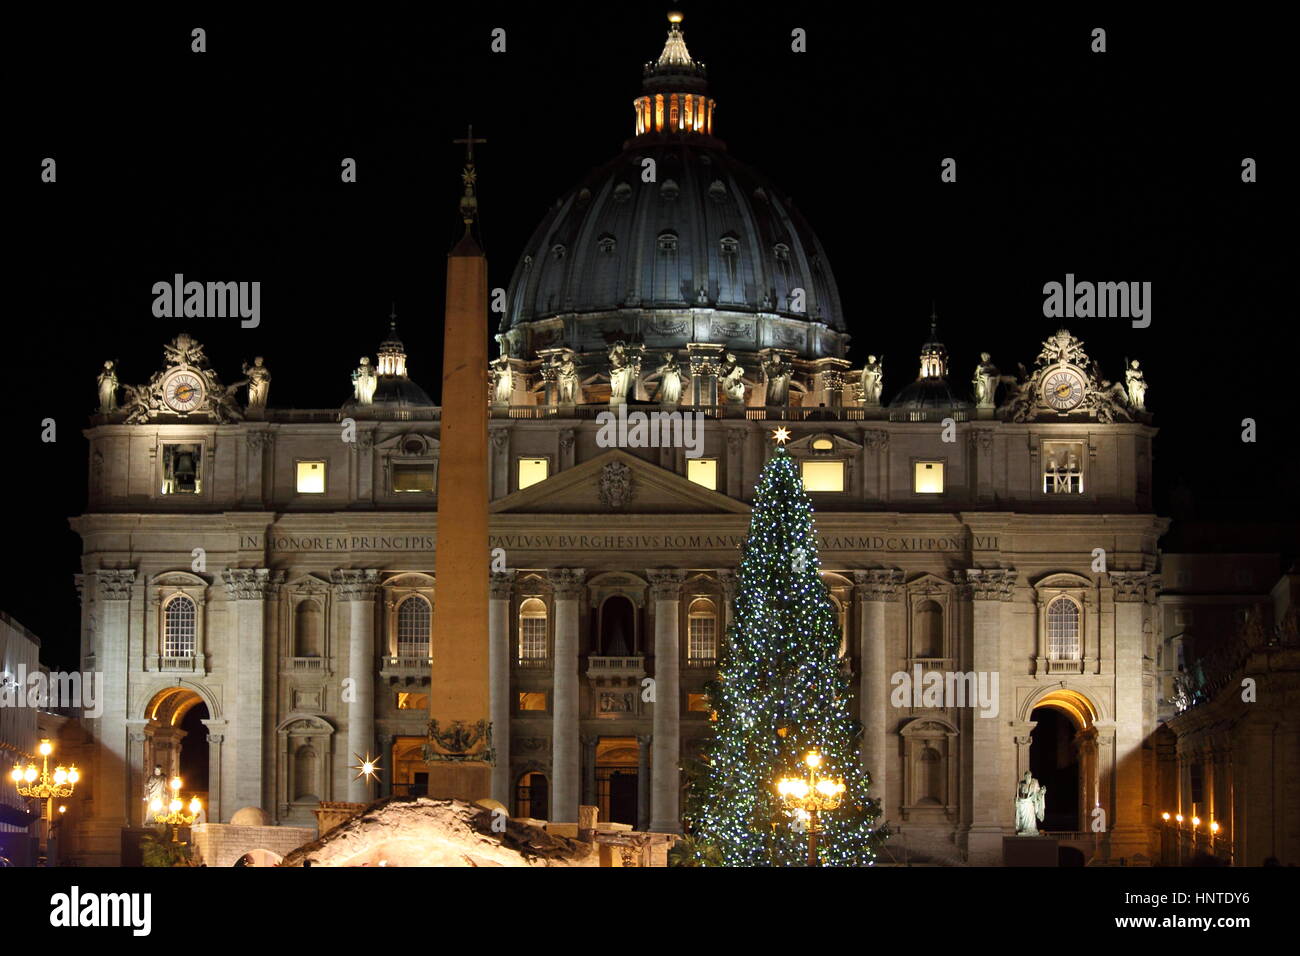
[{"x": 808, "y": 798}]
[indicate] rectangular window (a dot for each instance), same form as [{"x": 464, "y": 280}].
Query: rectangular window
[
  {"x": 927, "y": 477},
  {"x": 1063, "y": 467},
  {"x": 703, "y": 471},
  {"x": 412, "y": 478},
  {"x": 532, "y": 640},
  {"x": 698, "y": 703},
  {"x": 182, "y": 468},
  {"x": 823, "y": 475},
  {"x": 533, "y": 470},
  {"x": 311, "y": 478},
  {"x": 412, "y": 701},
  {"x": 532, "y": 700},
  {"x": 702, "y": 639}
]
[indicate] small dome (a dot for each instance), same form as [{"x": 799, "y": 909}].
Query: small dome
[{"x": 251, "y": 817}]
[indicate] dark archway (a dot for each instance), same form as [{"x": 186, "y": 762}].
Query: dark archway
[
  {"x": 1054, "y": 760},
  {"x": 194, "y": 748},
  {"x": 617, "y": 627}
]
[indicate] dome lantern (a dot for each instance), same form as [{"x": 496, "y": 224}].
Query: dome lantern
[{"x": 674, "y": 91}]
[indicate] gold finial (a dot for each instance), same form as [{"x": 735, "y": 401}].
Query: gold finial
[
  {"x": 781, "y": 435},
  {"x": 469, "y": 202}
]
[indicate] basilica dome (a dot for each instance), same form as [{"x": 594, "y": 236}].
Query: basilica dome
[{"x": 674, "y": 241}]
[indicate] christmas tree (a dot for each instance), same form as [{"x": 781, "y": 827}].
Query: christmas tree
[{"x": 780, "y": 694}]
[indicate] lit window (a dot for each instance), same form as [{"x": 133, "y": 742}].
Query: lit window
[
  {"x": 311, "y": 477},
  {"x": 1062, "y": 630},
  {"x": 414, "y": 616},
  {"x": 822, "y": 444},
  {"x": 411, "y": 701},
  {"x": 703, "y": 471},
  {"x": 1062, "y": 468},
  {"x": 702, "y": 633},
  {"x": 529, "y": 700},
  {"x": 182, "y": 469},
  {"x": 698, "y": 703},
  {"x": 409, "y": 477},
  {"x": 532, "y": 633},
  {"x": 532, "y": 471},
  {"x": 179, "y": 627},
  {"x": 823, "y": 475},
  {"x": 927, "y": 478}
]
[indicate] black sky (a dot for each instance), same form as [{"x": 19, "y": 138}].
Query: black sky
[{"x": 225, "y": 165}]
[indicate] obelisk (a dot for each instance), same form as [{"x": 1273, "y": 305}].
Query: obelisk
[{"x": 459, "y": 745}]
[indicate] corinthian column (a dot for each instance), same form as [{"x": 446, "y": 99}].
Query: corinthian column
[
  {"x": 989, "y": 589},
  {"x": 357, "y": 590},
  {"x": 499, "y": 681},
  {"x": 1130, "y": 831},
  {"x": 111, "y": 660},
  {"x": 665, "y": 588},
  {"x": 565, "y": 765},
  {"x": 873, "y": 589},
  {"x": 249, "y": 588}
]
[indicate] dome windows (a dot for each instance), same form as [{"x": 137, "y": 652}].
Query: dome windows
[
  {"x": 584, "y": 197},
  {"x": 781, "y": 251},
  {"x": 668, "y": 242},
  {"x": 606, "y": 244},
  {"x": 622, "y": 192},
  {"x": 729, "y": 246},
  {"x": 669, "y": 190},
  {"x": 718, "y": 191},
  {"x": 557, "y": 252}
]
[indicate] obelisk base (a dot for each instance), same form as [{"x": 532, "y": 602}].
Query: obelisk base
[{"x": 459, "y": 781}]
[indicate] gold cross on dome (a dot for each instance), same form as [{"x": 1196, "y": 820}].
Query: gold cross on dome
[
  {"x": 781, "y": 435},
  {"x": 469, "y": 142}
]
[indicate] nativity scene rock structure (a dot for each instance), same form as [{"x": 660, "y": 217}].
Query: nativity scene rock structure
[{"x": 236, "y": 554}]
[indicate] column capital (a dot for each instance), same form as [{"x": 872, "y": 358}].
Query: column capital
[
  {"x": 643, "y": 741},
  {"x": 882, "y": 584},
  {"x": 251, "y": 584},
  {"x": 665, "y": 583},
  {"x": 500, "y": 583},
  {"x": 115, "y": 584},
  {"x": 988, "y": 584},
  {"x": 357, "y": 584},
  {"x": 727, "y": 579},
  {"x": 1133, "y": 586},
  {"x": 567, "y": 583}
]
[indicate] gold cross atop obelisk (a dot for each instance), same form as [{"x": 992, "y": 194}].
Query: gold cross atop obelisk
[{"x": 469, "y": 202}]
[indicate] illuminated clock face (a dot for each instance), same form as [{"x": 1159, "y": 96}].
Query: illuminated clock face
[
  {"x": 183, "y": 392},
  {"x": 1063, "y": 389}
]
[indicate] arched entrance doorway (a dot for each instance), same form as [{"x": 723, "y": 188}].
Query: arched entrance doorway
[
  {"x": 176, "y": 739},
  {"x": 1062, "y": 754}
]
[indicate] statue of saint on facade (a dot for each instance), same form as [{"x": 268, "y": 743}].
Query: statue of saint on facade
[
  {"x": 1030, "y": 799},
  {"x": 670, "y": 380},
  {"x": 873, "y": 376},
  {"x": 777, "y": 370},
  {"x": 732, "y": 380},
  {"x": 567, "y": 378},
  {"x": 624, "y": 369},
  {"x": 108, "y": 388},
  {"x": 364, "y": 382},
  {"x": 985, "y": 381},
  {"x": 1137, "y": 386},
  {"x": 502, "y": 379},
  {"x": 258, "y": 378}
]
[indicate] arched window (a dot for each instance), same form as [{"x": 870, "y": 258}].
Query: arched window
[
  {"x": 702, "y": 633},
  {"x": 1062, "y": 630},
  {"x": 927, "y": 638},
  {"x": 307, "y": 630},
  {"x": 532, "y": 633},
  {"x": 179, "y": 627},
  {"x": 414, "y": 616}
]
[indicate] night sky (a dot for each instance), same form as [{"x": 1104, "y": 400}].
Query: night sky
[{"x": 1122, "y": 166}]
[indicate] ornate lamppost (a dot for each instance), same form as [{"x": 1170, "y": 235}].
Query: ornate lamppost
[
  {"x": 175, "y": 814},
  {"x": 43, "y": 785},
  {"x": 810, "y": 797}
]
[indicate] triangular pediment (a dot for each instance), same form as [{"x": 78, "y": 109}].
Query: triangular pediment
[{"x": 617, "y": 483}]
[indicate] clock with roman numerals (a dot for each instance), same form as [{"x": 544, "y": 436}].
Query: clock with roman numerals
[{"x": 1063, "y": 389}]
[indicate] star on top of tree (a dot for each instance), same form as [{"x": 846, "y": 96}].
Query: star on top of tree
[{"x": 781, "y": 435}]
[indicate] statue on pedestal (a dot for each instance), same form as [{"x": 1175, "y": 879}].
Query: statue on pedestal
[
  {"x": 1030, "y": 799},
  {"x": 258, "y": 378},
  {"x": 873, "y": 375},
  {"x": 108, "y": 388},
  {"x": 567, "y": 378},
  {"x": 364, "y": 382},
  {"x": 670, "y": 380},
  {"x": 502, "y": 380},
  {"x": 1137, "y": 386},
  {"x": 624, "y": 369},
  {"x": 778, "y": 371},
  {"x": 732, "y": 380},
  {"x": 155, "y": 786},
  {"x": 985, "y": 381}
]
